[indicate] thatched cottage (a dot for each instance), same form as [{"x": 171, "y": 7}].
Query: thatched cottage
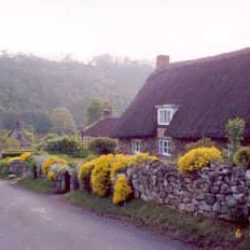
[
  {"x": 185, "y": 101},
  {"x": 102, "y": 128}
]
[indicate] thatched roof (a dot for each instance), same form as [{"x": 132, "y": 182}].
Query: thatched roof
[
  {"x": 208, "y": 91},
  {"x": 102, "y": 128}
]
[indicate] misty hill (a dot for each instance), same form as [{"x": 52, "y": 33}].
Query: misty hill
[{"x": 32, "y": 84}]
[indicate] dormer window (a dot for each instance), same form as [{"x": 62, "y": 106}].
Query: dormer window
[{"x": 165, "y": 114}]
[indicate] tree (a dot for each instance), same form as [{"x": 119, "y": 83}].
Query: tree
[
  {"x": 62, "y": 121},
  {"x": 234, "y": 132},
  {"x": 94, "y": 111},
  {"x": 7, "y": 143},
  {"x": 38, "y": 120}
]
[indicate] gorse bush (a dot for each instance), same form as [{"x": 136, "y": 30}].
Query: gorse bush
[
  {"x": 123, "y": 161},
  {"x": 84, "y": 174},
  {"x": 56, "y": 170},
  {"x": 122, "y": 190},
  {"x": 100, "y": 176},
  {"x": 25, "y": 156},
  {"x": 102, "y": 146},
  {"x": 198, "y": 158},
  {"x": 204, "y": 142},
  {"x": 120, "y": 162},
  {"x": 50, "y": 161},
  {"x": 242, "y": 157},
  {"x": 51, "y": 176},
  {"x": 14, "y": 159}
]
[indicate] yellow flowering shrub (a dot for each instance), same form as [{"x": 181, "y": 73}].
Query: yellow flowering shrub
[
  {"x": 142, "y": 158},
  {"x": 55, "y": 170},
  {"x": 49, "y": 162},
  {"x": 122, "y": 161},
  {"x": 85, "y": 170},
  {"x": 198, "y": 158},
  {"x": 13, "y": 159},
  {"x": 84, "y": 174},
  {"x": 51, "y": 176},
  {"x": 122, "y": 190},
  {"x": 100, "y": 176},
  {"x": 24, "y": 156}
]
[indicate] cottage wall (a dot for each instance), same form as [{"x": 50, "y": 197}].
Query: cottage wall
[
  {"x": 213, "y": 191},
  {"x": 148, "y": 145}
]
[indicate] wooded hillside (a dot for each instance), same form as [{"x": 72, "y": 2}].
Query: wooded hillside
[{"x": 29, "y": 84}]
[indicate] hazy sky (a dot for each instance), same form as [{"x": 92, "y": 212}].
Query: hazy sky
[{"x": 140, "y": 29}]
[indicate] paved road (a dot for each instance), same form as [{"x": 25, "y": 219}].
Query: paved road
[{"x": 30, "y": 221}]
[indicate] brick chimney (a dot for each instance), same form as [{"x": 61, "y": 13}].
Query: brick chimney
[
  {"x": 162, "y": 61},
  {"x": 105, "y": 113}
]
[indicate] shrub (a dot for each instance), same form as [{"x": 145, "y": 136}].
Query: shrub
[
  {"x": 198, "y": 158},
  {"x": 122, "y": 190},
  {"x": 100, "y": 177},
  {"x": 25, "y": 156},
  {"x": 81, "y": 153},
  {"x": 84, "y": 174},
  {"x": 64, "y": 145},
  {"x": 101, "y": 146},
  {"x": 56, "y": 170},
  {"x": 51, "y": 176},
  {"x": 49, "y": 162},
  {"x": 4, "y": 167},
  {"x": 122, "y": 161},
  {"x": 98, "y": 174},
  {"x": 30, "y": 163},
  {"x": 242, "y": 157},
  {"x": 204, "y": 142},
  {"x": 234, "y": 132},
  {"x": 13, "y": 159}
]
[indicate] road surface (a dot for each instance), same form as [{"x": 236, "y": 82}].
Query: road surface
[{"x": 30, "y": 221}]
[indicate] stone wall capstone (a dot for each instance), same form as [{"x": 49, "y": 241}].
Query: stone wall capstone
[{"x": 213, "y": 191}]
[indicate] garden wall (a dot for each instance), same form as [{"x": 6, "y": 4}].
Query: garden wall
[{"x": 214, "y": 191}]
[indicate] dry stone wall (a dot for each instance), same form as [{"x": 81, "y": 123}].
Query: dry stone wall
[{"x": 213, "y": 191}]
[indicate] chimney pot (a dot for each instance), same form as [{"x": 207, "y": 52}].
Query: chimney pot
[
  {"x": 105, "y": 113},
  {"x": 162, "y": 61}
]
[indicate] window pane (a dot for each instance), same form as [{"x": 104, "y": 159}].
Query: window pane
[{"x": 164, "y": 147}]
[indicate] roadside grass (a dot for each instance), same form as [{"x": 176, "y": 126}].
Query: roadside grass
[
  {"x": 196, "y": 230},
  {"x": 37, "y": 185}
]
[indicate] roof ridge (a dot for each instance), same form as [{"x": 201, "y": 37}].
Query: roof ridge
[{"x": 201, "y": 60}]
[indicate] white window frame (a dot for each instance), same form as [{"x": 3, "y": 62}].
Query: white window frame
[
  {"x": 165, "y": 114},
  {"x": 165, "y": 147},
  {"x": 136, "y": 146}
]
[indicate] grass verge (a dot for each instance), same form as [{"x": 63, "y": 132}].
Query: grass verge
[
  {"x": 197, "y": 230},
  {"x": 37, "y": 185}
]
